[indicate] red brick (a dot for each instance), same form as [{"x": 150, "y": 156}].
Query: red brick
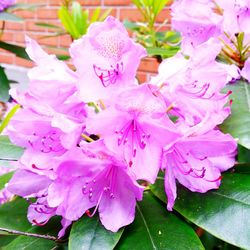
[
  {"x": 26, "y": 13},
  {"x": 23, "y": 62},
  {"x": 65, "y": 41},
  {"x": 19, "y": 38},
  {"x": 47, "y": 14},
  {"x": 7, "y": 36},
  {"x": 31, "y": 26},
  {"x": 163, "y": 15},
  {"x": 149, "y": 64},
  {"x": 90, "y": 2},
  {"x": 117, "y": 2},
  {"x": 51, "y": 41},
  {"x": 14, "y": 26},
  {"x": 6, "y": 58},
  {"x": 141, "y": 76},
  {"x": 131, "y": 15}
]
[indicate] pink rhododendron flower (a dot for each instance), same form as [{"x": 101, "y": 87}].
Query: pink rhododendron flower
[
  {"x": 137, "y": 127},
  {"x": 196, "y": 21},
  {"x": 50, "y": 120},
  {"x": 6, "y": 3},
  {"x": 192, "y": 86},
  {"x": 93, "y": 179},
  {"x": 106, "y": 60},
  {"x": 236, "y": 15},
  {"x": 68, "y": 174},
  {"x": 245, "y": 72},
  {"x": 197, "y": 161}
]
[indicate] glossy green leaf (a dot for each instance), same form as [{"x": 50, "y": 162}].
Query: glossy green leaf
[
  {"x": 89, "y": 234},
  {"x": 5, "y": 179},
  {"x": 238, "y": 123},
  {"x": 6, "y": 239},
  {"x": 5, "y": 16},
  {"x": 31, "y": 243},
  {"x": 8, "y": 151},
  {"x": 243, "y": 154},
  {"x": 224, "y": 213},
  {"x": 4, "y": 86},
  {"x": 156, "y": 228},
  {"x": 17, "y": 50},
  {"x": 13, "y": 215}
]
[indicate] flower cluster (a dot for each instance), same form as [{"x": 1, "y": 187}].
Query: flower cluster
[
  {"x": 89, "y": 135},
  {"x": 226, "y": 21},
  {"x": 6, "y": 3}
]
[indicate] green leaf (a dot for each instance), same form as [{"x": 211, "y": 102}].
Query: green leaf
[
  {"x": 48, "y": 25},
  {"x": 6, "y": 239},
  {"x": 8, "y": 117},
  {"x": 79, "y": 18},
  {"x": 104, "y": 15},
  {"x": 31, "y": 243},
  {"x": 8, "y": 151},
  {"x": 224, "y": 213},
  {"x": 164, "y": 52},
  {"x": 156, "y": 228},
  {"x": 4, "y": 86},
  {"x": 68, "y": 22},
  {"x": 5, "y": 16},
  {"x": 4, "y": 178},
  {"x": 17, "y": 50},
  {"x": 89, "y": 234},
  {"x": 13, "y": 215},
  {"x": 243, "y": 154},
  {"x": 95, "y": 15},
  {"x": 238, "y": 123},
  {"x": 159, "y": 5}
]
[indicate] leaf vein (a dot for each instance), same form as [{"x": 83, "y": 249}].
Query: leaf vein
[{"x": 147, "y": 228}]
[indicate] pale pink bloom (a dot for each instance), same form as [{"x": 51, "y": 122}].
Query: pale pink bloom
[
  {"x": 196, "y": 21},
  {"x": 106, "y": 60},
  {"x": 245, "y": 72},
  {"x": 196, "y": 161},
  {"x": 192, "y": 86},
  {"x": 136, "y": 126}
]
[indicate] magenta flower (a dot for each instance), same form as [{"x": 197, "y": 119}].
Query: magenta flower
[
  {"x": 196, "y": 21},
  {"x": 52, "y": 117},
  {"x": 236, "y": 16},
  {"x": 137, "y": 127},
  {"x": 106, "y": 60},
  {"x": 51, "y": 81},
  {"x": 197, "y": 161},
  {"x": 93, "y": 179},
  {"x": 6, "y": 3},
  {"x": 192, "y": 87},
  {"x": 245, "y": 72}
]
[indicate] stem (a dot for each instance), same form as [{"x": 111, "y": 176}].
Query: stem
[{"x": 48, "y": 237}]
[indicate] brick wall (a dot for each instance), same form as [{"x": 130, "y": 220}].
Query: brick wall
[{"x": 15, "y": 32}]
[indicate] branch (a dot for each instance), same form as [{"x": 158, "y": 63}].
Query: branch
[{"x": 48, "y": 237}]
